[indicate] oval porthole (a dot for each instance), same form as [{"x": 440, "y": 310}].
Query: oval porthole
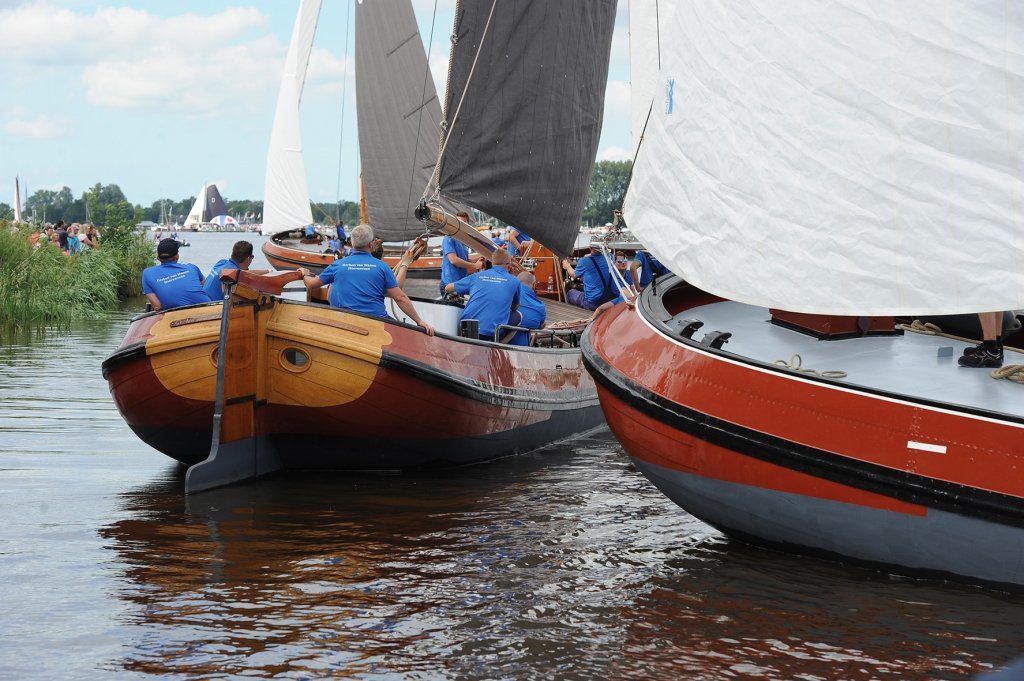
[
  {"x": 294, "y": 359},
  {"x": 214, "y": 355}
]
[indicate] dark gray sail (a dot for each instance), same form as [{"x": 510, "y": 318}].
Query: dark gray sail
[
  {"x": 214, "y": 205},
  {"x": 522, "y": 145},
  {"x": 399, "y": 116}
]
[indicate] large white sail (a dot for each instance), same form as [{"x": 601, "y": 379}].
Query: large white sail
[
  {"x": 644, "y": 61},
  {"x": 852, "y": 157},
  {"x": 286, "y": 193},
  {"x": 18, "y": 217},
  {"x": 195, "y": 214}
]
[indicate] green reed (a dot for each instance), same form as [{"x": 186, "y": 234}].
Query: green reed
[{"x": 45, "y": 287}]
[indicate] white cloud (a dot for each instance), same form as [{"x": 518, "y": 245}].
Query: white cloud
[
  {"x": 617, "y": 103},
  {"x": 129, "y": 58},
  {"x": 207, "y": 83},
  {"x": 43, "y": 33},
  {"x": 614, "y": 154},
  {"x": 327, "y": 70},
  {"x": 43, "y": 127}
]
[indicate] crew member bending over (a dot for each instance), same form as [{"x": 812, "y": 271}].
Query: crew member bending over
[
  {"x": 531, "y": 312},
  {"x": 361, "y": 282},
  {"x": 493, "y": 294},
  {"x": 172, "y": 284},
  {"x": 644, "y": 268}
]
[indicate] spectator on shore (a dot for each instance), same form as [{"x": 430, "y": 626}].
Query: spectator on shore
[
  {"x": 89, "y": 238},
  {"x": 241, "y": 257},
  {"x": 172, "y": 284},
  {"x": 35, "y": 237},
  {"x": 62, "y": 235},
  {"x": 74, "y": 243}
]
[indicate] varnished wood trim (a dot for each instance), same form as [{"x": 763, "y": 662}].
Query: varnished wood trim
[
  {"x": 195, "y": 320},
  {"x": 335, "y": 323}
]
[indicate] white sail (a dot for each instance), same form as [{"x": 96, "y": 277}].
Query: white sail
[
  {"x": 18, "y": 217},
  {"x": 195, "y": 215},
  {"x": 644, "y": 60},
  {"x": 852, "y": 157},
  {"x": 286, "y": 193}
]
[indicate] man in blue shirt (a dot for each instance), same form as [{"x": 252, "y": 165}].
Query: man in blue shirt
[
  {"x": 648, "y": 266},
  {"x": 531, "y": 312},
  {"x": 456, "y": 262},
  {"x": 598, "y": 286},
  {"x": 493, "y": 294},
  {"x": 360, "y": 282},
  {"x": 517, "y": 240},
  {"x": 171, "y": 284},
  {"x": 241, "y": 257}
]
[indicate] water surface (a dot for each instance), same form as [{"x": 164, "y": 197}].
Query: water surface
[{"x": 561, "y": 564}]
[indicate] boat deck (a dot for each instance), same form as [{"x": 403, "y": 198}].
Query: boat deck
[{"x": 911, "y": 364}]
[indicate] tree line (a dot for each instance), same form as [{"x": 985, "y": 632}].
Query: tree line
[{"x": 106, "y": 203}]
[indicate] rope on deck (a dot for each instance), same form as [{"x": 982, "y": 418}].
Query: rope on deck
[
  {"x": 796, "y": 362},
  {"x": 1011, "y": 372},
  {"x": 927, "y": 328}
]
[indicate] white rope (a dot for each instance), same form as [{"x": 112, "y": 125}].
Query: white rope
[
  {"x": 451, "y": 124},
  {"x": 613, "y": 271},
  {"x": 796, "y": 362}
]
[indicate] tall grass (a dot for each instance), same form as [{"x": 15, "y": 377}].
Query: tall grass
[{"x": 45, "y": 287}]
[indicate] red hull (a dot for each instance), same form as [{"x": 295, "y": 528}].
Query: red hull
[
  {"x": 698, "y": 419},
  {"x": 284, "y": 258},
  {"x": 426, "y": 401}
]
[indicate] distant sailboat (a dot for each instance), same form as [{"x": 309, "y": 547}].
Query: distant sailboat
[
  {"x": 286, "y": 193},
  {"x": 815, "y": 172},
  {"x": 207, "y": 206},
  {"x": 398, "y": 118},
  {"x": 18, "y": 216}
]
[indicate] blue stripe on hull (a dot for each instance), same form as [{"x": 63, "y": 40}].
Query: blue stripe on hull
[{"x": 939, "y": 544}]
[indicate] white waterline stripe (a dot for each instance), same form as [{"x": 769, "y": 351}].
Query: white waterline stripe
[{"x": 925, "y": 447}]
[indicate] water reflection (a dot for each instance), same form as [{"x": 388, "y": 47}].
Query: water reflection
[{"x": 564, "y": 565}]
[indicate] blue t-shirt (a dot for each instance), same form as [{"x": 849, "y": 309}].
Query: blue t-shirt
[
  {"x": 649, "y": 267},
  {"x": 309, "y": 231},
  {"x": 491, "y": 295},
  {"x": 360, "y": 283},
  {"x": 212, "y": 285},
  {"x": 533, "y": 314},
  {"x": 175, "y": 284},
  {"x": 597, "y": 280},
  {"x": 452, "y": 273},
  {"x": 521, "y": 237}
]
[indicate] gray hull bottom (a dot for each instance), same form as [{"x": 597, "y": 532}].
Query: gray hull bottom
[{"x": 939, "y": 544}]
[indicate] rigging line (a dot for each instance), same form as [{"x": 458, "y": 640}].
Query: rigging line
[
  {"x": 613, "y": 271},
  {"x": 341, "y": 133},
  {"x": 462, "y": 98},
  {"x": 419, "y": 119}
]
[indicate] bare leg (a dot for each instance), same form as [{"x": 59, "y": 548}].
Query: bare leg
[{"x": 991, "y": 324}]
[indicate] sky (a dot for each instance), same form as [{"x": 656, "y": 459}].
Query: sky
[{"x": 159, "y": 97}]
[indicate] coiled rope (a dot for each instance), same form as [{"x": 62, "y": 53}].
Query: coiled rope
[
  {"x": 796, "y": 362},
  {"x": 1011, "y": 372}
]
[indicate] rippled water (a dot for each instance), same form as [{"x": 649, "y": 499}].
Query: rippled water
[{"x": 561, "y": 564}]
